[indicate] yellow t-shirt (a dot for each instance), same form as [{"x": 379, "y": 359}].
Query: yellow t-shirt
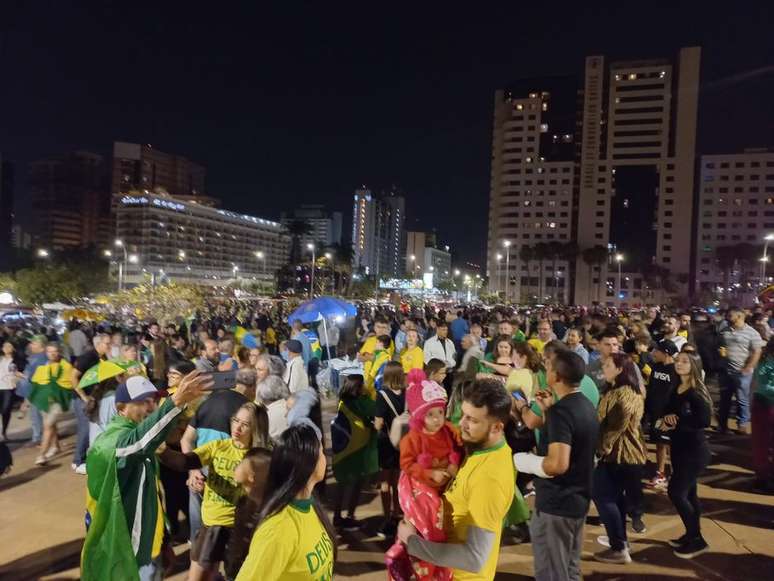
[
  {"x": 537, "y": 344},
  {"x": 370, "y": 346},
  {"x": 221, "y": 492},
  {"x": 480, "y": 495},
  {"x": 292, "y": 545},
  {"x": 413, "y": 358},
  {"x": 522, "y": 379}
]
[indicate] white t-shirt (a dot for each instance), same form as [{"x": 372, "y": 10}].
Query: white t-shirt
[{"x": 7, "y": 374}]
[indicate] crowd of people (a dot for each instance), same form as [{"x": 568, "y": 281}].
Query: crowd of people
[{"x": 456, "y": 416}]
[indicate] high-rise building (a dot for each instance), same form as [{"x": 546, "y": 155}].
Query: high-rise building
[
  {"x": 325, "y": 226},
  {"x": 531, "y": 195},
  {"x": 378, "y": 235},
  {"x": 636, "y": 173},
  {"x": 735, "y": 214},
  {"x": 70, "y": 201},
  {"x": 424, "y": 257},
  {"x": 141, "y": 168},
  {"x": 6, "y": 212},
  {"x": 611, "y": 166},
  {"x": 172, "y": 239}
]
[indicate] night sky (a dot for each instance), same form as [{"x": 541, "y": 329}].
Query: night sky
[{"x": 302, "y": 104}]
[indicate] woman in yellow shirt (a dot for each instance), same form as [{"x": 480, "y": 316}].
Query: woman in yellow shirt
[
  {"x": 249, "y": 429},
  {"x": 294, "y": 540},
  {"x": 412, "y": 356}
]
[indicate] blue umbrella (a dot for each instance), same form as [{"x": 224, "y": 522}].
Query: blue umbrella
[{"x": 322, "y": 308}]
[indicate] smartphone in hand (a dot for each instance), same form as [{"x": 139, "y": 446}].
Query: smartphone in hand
[{"x": 222, "y": 380}]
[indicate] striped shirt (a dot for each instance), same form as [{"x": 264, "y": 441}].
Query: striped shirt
[{"x": 739, "y": 344}]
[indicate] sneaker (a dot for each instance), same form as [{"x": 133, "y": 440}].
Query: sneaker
[
  {"x": 81, "y": 469},
  {"x": 73, "y": 466},
  {"x": 637, "y": 525},
  {"x": 616, "y": 557},
  {"x": 675, "y": 543},
  {"x": 518, "y": 534},
  {"x": 346, "y": 524},
  {"x": 658, "y": 481},
  {"x": 41, "y": 461},
  {"x": 604, "y": 541},
  {"x": 691, "y": 549},
  {"x": 50, "y": 453}
]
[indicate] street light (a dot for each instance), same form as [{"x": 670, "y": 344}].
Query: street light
[
  {"x": 262, "y": 257},
  {"x": 766, "y": 239},
  {"x": 619, "y": 259},
  {"x": 43, "y": 253},
  {"x": 311, "y": 247},
  {"x": 235, "y": 272},
  {"x": 329, "y": 257},
  {"x": 121, "y": 265},
  {"x": 507, "y": 244},
  {"x": 499, "y": 275}
]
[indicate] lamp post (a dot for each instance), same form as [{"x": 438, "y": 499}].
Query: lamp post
[
  {"x": 768, "y": 238},
  {"x": 235, "y": 272},
  {"x": 329, "y": 256},
  {"x": 121, "y": 265},
  {"x": 311, "y": 247},
  {"x": 499, "y": 275},
  {"x": 507, "y": 244},
  {"x": 260, "y": 255},
  {"x": 619, "y": 259}
]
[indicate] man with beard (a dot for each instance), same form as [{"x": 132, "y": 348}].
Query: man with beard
[{"x": 477, "y": 500}]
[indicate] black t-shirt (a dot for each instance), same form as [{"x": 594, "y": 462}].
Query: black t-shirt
[
  {"x": 573, "y": 421},
  {"x": 215, "y": 413},
  {"x": 383, "y": 410},
  {"x": 663, "y": 381}
]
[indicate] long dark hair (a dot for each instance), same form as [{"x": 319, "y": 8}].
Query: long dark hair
[
  {"x": 628, "y": 375},
  {"x": 293, "y": 462}
]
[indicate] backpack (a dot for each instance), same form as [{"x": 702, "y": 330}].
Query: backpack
[
  {"x": 349, "y": 433},
  {"x": 400, "y": 424}
]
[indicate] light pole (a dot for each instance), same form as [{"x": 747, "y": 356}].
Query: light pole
[
  {"x": 43, "y": 253},
  {"x": 768, "y": 238},
  {"x": 235, "y": 272},
  {"x": 499, "y": 275},
  {"x": 329, "y": 256},
  {"x": 260, "y": 255},
  {"x": 619, "y": 259},
  {"x": 121, "y": 266},
  {"x": 507, "y": 244},
  {"x": 311, "y": 247}
]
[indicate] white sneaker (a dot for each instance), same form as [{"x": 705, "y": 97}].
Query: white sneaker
[
  {"x": 73, "y": 466},
  {"x": 81, "y": 469},
  {"x": 40, "y": 461},
  {"x": 50, "y": 453},
  {"x": 604, "y": 541}
]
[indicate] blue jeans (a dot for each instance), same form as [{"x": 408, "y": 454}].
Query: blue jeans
[
  {"x": 153, "y": 571},
  {"x": 36, "y": 421},
  {"x": 733, "y": 383},
  {"x": 82, "y": 437},
  {"x": 194, "y": 513},
  {"x": 609, "y": 493}
]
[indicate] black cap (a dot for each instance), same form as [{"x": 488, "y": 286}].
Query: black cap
[
  {"x": 668, "y": 347},
  {"x": 294, "y": 346}
]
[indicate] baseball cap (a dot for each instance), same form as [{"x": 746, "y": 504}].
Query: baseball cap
[
  {"x": 135, "y": 389},
  {"x": 294, "y": 346},
  {"x": 667, "y": 346}
]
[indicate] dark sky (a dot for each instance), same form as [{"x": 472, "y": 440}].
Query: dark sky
[{"x": 302, "y": 104}]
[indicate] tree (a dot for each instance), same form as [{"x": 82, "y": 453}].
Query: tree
[
  {"x": 343, "y": 255},
  {"x": 594, "y": 256},
  {"x": 541, "y": 254},
  {"x": 569, "y": 253},
  {"x": 297, "y": 230},
  {"x": 527, "y": 255},
  {"x": 47, "y": 284},
  {"x": 554, "y": 251},
  {"x": 725, "y": 256}
]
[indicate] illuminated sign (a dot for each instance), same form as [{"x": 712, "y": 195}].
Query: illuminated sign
[
  {"x": 134, "y": 201},
  {"x": 177, "y": 207},
  {"x": 247, "y": 218},
  {"x": 159, "y": 203}
]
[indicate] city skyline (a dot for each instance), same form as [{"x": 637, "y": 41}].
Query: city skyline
[{"x": 417, "y": 114}]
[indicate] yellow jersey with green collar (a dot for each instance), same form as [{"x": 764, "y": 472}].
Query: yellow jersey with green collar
[
  {"x": 292, "y": 545},
  {"x": 480, "y": 495}
]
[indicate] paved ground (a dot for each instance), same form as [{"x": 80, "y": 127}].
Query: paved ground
[{"x": 41, "y": 528}]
